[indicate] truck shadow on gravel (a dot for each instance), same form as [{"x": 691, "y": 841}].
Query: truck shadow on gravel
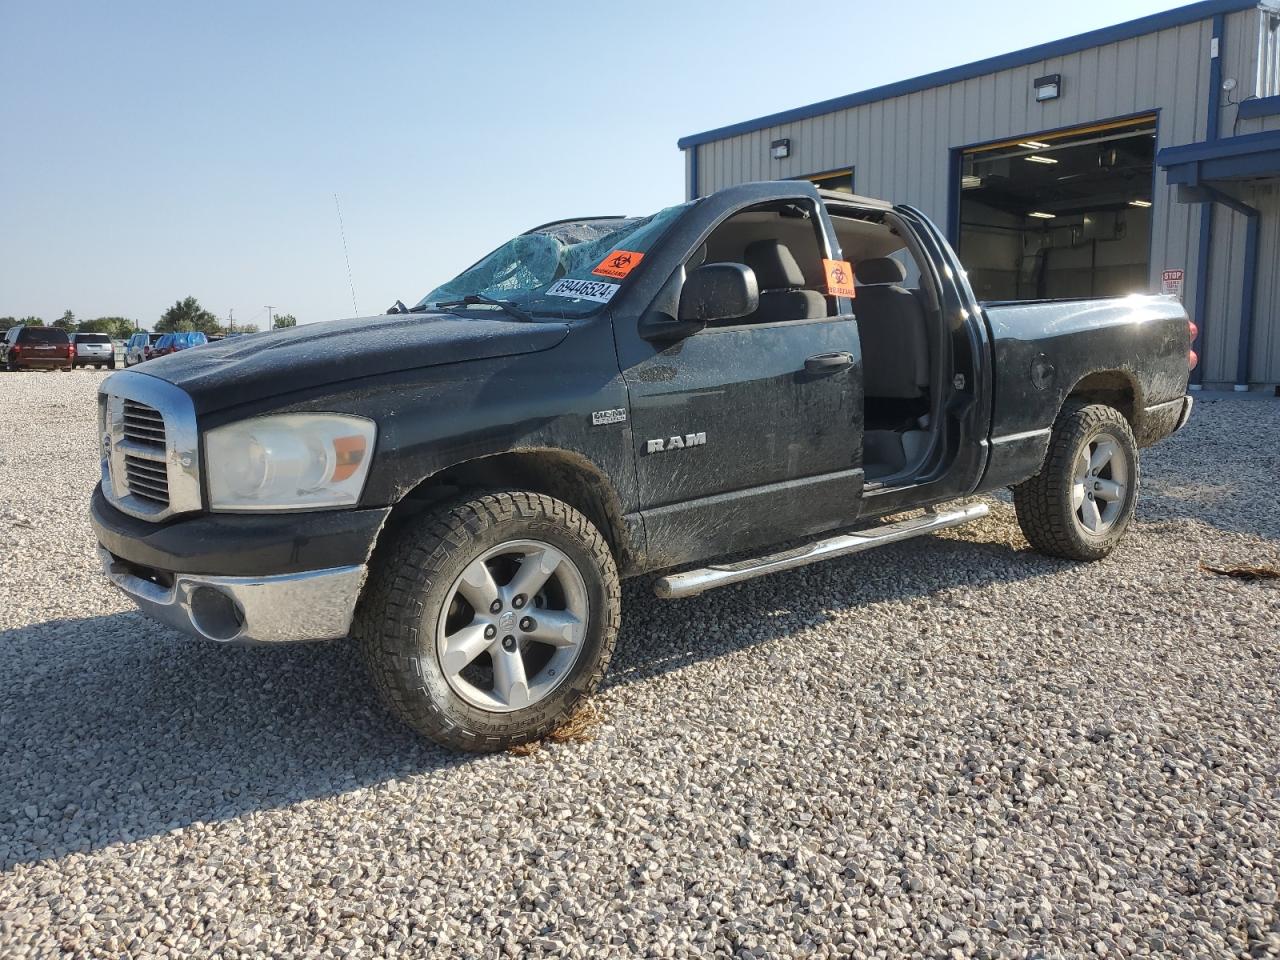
[{"x": 115, "y": 729}]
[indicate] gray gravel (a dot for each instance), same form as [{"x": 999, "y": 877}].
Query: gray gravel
[{"x": 948, "y": 748}]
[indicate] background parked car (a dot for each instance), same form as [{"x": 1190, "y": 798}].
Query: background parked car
[
  {"x": 93, "y": 348},
  {"x": 173, "y": 342},
  {"x": 139, "y": 347},
  {"x": 36, "y": 347}
]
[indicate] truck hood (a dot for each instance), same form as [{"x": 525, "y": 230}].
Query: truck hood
[{"x": 258, "y": 366}]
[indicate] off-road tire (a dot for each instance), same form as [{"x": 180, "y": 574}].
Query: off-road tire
[
  {"x": 1043, "y": 503},
  {"x": 396, "y": 621}
]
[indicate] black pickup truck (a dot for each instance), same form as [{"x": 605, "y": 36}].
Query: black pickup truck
[{"x": 733, "y": 386}]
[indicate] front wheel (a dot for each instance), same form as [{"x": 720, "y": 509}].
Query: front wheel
[
  {"x": 487, "y": 621},
  {"x": 1081, "y": 502}
]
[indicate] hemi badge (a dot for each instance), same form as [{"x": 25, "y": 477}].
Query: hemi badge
[{"x": 608, "y": 416}]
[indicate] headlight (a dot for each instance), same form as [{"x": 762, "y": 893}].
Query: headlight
[{"x": 290, "y": 461}]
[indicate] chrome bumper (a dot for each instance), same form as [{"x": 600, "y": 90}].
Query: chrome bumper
[{"x": 314, "y": 605}]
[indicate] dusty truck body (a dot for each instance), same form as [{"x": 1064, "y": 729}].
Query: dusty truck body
[{"x": 766, "y": 373}]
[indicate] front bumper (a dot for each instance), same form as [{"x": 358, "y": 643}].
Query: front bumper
[
  {"x": 311, "y": 605},
  {"x": 246, "y": 578},
  {"x": 240, "y": 544}
]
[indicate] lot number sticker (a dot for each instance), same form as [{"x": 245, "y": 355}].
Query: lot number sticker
[
  {"x": 839, "y": 278},
  {"x": 583, "y": 290},
  {"x": 618, "y": 264}
]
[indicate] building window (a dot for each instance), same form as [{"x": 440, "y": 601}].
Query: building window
[
  {"x": 1268, "y": 50},
  {"x": 841, "y": 180}
]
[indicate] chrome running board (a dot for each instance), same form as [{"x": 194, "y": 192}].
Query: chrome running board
[{"x": 693, "y": 582}]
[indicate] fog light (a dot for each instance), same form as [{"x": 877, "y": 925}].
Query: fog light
[{"x": 215, "y": 614}]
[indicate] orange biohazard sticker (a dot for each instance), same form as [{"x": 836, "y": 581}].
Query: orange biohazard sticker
[
  {"x": 618, "y": 264},
  {"x": 839, "y": 278}
]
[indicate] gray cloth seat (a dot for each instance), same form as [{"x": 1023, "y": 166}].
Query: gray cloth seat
[
  {"x": 891, "y": 325},
  {"x": 781, "y": 282}
]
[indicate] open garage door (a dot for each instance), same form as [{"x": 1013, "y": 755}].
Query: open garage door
[{"x": 1066, "y": 214}]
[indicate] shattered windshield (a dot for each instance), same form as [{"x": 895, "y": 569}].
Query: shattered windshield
[{"x": 559, "y": 271}]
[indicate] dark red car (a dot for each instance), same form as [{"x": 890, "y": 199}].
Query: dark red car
[{"x": 36, "y": 348}]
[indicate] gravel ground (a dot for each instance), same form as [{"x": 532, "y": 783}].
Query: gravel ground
[{"x": 952, "y": 747}]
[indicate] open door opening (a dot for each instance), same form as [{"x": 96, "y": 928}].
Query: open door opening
[
  {"x": 899, "y": 330},
  {"x": 1060, "y": 215}
]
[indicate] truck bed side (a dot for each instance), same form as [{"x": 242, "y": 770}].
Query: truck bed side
[{"x": 1130, "y": 352}]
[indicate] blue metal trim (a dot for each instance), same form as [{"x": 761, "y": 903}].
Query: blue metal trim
[
  {"x": 693, "y": 174},
  {"x": 1252, "y": 109},
  {"x": 1215, "y": 79},
  {"x": 1057, "y": 48},
  {"x": 1249, "y": 143},
  {"x": 1194, "y": 172},
  {"x": 1212, "y": 129}
]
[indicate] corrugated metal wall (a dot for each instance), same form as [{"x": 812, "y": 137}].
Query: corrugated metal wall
[
  {"x": 900, "y": 148},
  {"x": 1266, "y": 321}
]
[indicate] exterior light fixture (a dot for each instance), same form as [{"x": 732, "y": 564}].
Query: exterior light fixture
[
  {"x": 1140, "y": 203},
  {"x": 1042, "y": 216},
  {"x": 1033, "y": 145},
  {"x": 1048, "y": 88},
  {"x": 1039, "y": 159},
  {"x": 780, "y": 149}
]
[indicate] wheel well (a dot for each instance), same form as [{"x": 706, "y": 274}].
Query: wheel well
[
  {"x": 557, "y": 473},
  {"x": 1115, "y": 388}
]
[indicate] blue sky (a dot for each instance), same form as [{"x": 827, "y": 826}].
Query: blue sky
[{"x": 152, "y": 151}]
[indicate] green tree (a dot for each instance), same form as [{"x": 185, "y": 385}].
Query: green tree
[
  {"x": 286, "y": 320},
  {"x": 66, "y": 322},
  {"x": 247, "y": 328},
  {"x": 119, "y": 328},
  {"x": 31, "y": 322},
  {"x": 187, "y": 315},
  {"x": 7, "y": 322}
]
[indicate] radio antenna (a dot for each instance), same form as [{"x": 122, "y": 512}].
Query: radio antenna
[{"x": 343, "y": 233}]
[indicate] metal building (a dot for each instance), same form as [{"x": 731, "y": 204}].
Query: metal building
[{"x": 1143, "y": 157}]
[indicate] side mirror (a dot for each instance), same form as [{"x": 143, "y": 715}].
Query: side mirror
[
  {"x": 718, "y": 291},
  {"x": 713, "y": 291}
]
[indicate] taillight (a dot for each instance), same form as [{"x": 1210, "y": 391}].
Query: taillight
[
  {"x": 15, "y": 349},
  {"x": 1192, "y": 357}
]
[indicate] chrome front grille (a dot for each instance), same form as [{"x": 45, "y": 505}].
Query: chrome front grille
[
  {"x": 150, "y": 453},
  {"x": 143, "y": 424},
  {"x": 147, "y": 479}
]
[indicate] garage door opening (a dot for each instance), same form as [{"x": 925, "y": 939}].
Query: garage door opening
[{"x": 1059, "y": 215}]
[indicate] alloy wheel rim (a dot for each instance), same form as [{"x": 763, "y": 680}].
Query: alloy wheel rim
[
  {"x": 1099, "y": 484},
  {"x": 514, "y": 624}
]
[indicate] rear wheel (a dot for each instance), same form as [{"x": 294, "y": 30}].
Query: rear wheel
[
  {"x": 1081, "y": 502},
  {"x": 486, "y": 622}
]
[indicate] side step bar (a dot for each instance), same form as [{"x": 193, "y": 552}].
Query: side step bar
[{"x": 693, "y": 582}]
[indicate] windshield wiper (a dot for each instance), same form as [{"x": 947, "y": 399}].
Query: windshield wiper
[{"x": 472, "y": 299}]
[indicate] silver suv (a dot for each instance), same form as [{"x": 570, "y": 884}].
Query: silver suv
[{"x": 94, "y": 348}]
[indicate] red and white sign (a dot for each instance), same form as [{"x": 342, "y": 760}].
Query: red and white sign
[{"x": 1171, "y": 283}]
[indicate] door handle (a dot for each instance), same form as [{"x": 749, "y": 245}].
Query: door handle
[{"x": 828, "y": 361}]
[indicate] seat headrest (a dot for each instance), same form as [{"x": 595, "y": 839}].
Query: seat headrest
[
  {"x": 880, "y": 270},
  {"x": 774, "y": 265}
]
